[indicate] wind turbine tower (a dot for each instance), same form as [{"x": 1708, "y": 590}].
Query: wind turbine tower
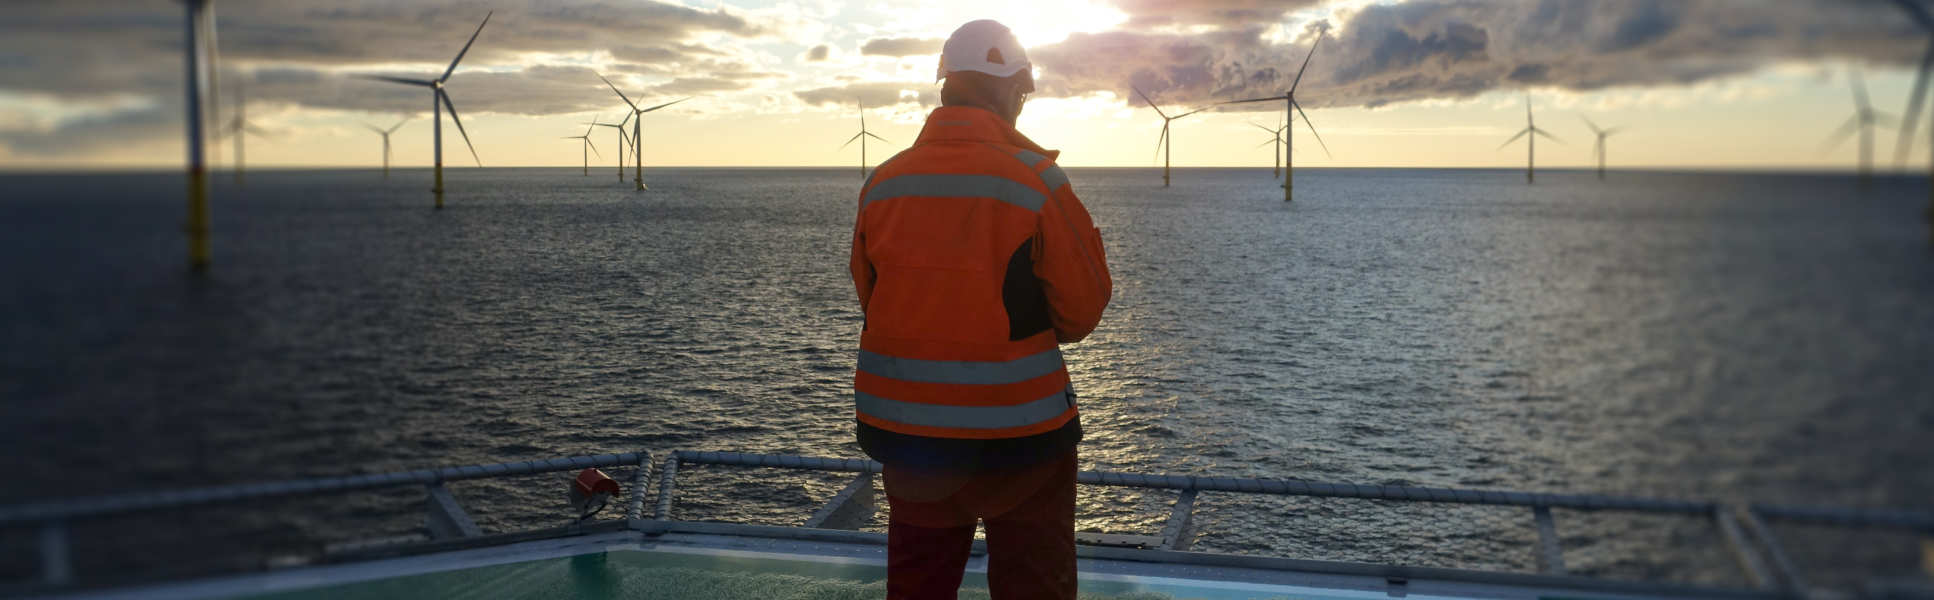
[
  {"x": 1162, "y": 143},
  {"x": 588, "y": 147},
  {"x": 1919, "y": 14},
  {"x": 200, "y": 32},
  {"x": 861, "y": 136},
  {"x": 1531, "y": 143},
  {"x": 385, "y": 133},
  {"x": 1598, "y": 148},
  {"x": 439, "y": 100},
  {"x": 1291, "y": 108},
  {"x": 637, "y": 131},
  {"x": 1863, "y": 120}
]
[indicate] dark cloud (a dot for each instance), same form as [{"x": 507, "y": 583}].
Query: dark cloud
[
  {"x": 873, "y": 94},
  {"x": 1459, "y": 48},
  {"x": 901, "y": 46},
  {"x": 92, "y": 47},
  {"x": 818, "y": 53}
]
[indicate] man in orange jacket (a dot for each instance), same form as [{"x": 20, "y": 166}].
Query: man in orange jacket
[{"x": 974, "y": 261}]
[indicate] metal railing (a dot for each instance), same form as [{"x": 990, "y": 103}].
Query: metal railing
[{"x": 1758, "y": 552}]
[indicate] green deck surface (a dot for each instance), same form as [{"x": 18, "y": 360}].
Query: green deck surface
[{"x": 679, "y": 576}]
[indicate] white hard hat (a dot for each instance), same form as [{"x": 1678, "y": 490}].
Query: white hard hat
[{"x": 985, "y": 46}]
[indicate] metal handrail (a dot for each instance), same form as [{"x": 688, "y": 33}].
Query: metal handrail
[
  {"x": 100, "y": 506},
  {"x": 1284, "y": 487}
]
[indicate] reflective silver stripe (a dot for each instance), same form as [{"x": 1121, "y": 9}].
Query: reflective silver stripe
[
  {"x": 963, "y": 417},
  {"x": 957, "y": 186},
  {"x": 962, "y": 371},
  {"x": 1030, "y": 157},
  {"x": 1054, "y": 177}
]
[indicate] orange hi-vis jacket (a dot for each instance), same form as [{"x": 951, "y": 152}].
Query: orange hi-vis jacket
[{"x": 973, "y": 259}]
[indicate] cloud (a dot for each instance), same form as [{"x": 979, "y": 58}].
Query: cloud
[
  {"x": 901, "y": 46},
  {"x": 1425, "y": 49},
  {"x": 873, "y": 94},
  {"x": 818, "y": 53},
  {"x": 1143, "y": 14},
  {"x": 70, "y": 48}
]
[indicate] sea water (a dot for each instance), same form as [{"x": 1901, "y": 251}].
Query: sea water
[{"x": 1731, "y": 336}]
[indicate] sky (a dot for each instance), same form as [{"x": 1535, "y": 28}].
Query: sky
[{"x": 1691, "y": 84}]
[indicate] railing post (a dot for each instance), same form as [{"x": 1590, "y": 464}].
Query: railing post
[
  {"x": 1551, "y": 555},
  {"x": 1749, "y": 558},
  {"x": 666, "y": 477},
  {"x": 637, "y": 509},
  {"x": 56, "y": 561},
  {"x": 1789, "y": 576},
  {"x": 445, "y": 517},
  {"x": 1175, "y": 534},
  {"x": 848, "y": 509}
]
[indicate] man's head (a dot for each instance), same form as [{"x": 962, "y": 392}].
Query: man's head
[{"x": 986, "y": 67}]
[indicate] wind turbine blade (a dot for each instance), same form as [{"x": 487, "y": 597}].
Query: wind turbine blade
[
  {"x": 1160, "y": 140},
  {"x": 1840, "y": 135},
  {"x": 870, "y": 134},
  {"x": 1608, "y": 133},
  {"x": 1151, "y": 103},
  {"x": 849, "y": 141},
  {"x": 1547, "y": 135},
  {"x": 454, "y": 119},
  {"x": 1187, "y": 113},
  {"x": 1312, "y": 54},
  {"x": 1881, "y": 118},
  {"x": 1526, "y": 131},
  {"x": 1246, "y": 100},
  {"x": 1917, "y": 12},
  {"x": 373, "y": 128},
  {"x": 594, "y": 148},
  {"x": 1312, "y": 128},
  {"x": 402, "y": 80},
  {"x": 1264, "y": 128},
  {"x": 1859, "y": 90},
  {"x": 627, "y": 119},
  {"x": 466, "y": 48},
  {"x": 398, "y": 125},
  {"x": 1913, "y": 113},
  {"x": 1268, "y": 142},
  {"x": 664, "y": 105},
  {"x": 634, "y": 107},
  {"x": 1594, "y": 126}
]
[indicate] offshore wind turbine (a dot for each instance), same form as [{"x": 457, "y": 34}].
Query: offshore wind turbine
[
  {"x": 1162, "y": 143},
  {"x": 861, "y": 136},
  {"x": 623, "y": 141},
  {"x": 1291, "y": 108},
  {"x": 238, "y": 127},
  {"x": 1531, "y": 143},
  {"x": 1863, "y": 120},
  {"x": 439, "y": 100},
  {"x": 385, "y": 133},
  {"x": 637, "y": 131},
  {"x": 1598, "y": 149},
  {"x": 1921, "y": 17},
  {"x": 1276, "y": 146},
  {"x": 588, "y": 147}
]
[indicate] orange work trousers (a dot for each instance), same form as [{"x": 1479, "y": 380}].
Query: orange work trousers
[{"x": 1029, "y": 514}]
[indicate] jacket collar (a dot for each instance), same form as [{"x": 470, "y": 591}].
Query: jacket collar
[{"x": 975, "y": 124}]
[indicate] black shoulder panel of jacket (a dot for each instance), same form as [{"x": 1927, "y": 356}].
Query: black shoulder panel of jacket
[
  {"x": 1022, "y": 296},
  {"x": 921, "y": 452}
]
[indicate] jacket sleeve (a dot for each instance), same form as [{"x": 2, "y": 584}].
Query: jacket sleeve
[
  {"x": 1072, "y": 266},
  {"x": 863, "y": 274}
]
